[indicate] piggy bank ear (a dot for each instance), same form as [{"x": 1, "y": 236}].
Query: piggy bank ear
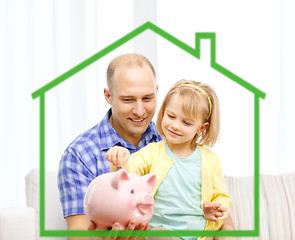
[
  {"x": 151, "y": 180},
  {"x": 118, "y": 177}
]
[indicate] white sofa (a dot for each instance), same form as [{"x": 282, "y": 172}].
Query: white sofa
[
  {"x": 28, "y": 218},
  {"x": 277, "y": 211}
]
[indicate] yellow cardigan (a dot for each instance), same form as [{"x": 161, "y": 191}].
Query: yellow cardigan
[{"x": 153, "y": 159}]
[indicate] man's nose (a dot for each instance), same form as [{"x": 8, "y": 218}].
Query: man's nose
[{"x": 139, "y": 109}]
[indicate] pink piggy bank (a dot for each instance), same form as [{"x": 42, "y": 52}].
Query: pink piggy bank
[{"x": 120, "y": 197}]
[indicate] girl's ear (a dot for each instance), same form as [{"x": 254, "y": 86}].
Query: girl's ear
[{"x": 203, "y": 127}]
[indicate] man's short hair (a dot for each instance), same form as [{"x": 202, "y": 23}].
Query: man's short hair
[{"x": 128, "y": 60}]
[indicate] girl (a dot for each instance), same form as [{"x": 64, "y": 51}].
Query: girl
[{"x": 190, "y": 192}]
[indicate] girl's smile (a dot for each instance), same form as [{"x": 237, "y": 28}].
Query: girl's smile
[{"x": 173, "y": 133}]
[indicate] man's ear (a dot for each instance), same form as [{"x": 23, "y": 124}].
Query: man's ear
[
  {"x": 157, "y": 88},
  {"x": 107, "y": 95}
]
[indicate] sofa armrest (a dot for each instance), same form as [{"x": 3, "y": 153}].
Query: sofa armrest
[{"x": 17, "y": 223}]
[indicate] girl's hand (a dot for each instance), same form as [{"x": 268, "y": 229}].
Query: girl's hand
[
  {"x": 117, "y": 155},
  {"x": 213, "y": 211}
]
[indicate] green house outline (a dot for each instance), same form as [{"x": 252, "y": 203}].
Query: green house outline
[{"x": 195, "y": 52}]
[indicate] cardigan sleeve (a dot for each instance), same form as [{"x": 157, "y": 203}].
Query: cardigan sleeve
[
  {"x": 214, "y": 188},
  {"x": 140, "y": 162},
  {"x": 220, "y": 193}
]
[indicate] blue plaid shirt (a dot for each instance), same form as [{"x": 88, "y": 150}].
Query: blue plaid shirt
[{"x": 84, "y": 160}]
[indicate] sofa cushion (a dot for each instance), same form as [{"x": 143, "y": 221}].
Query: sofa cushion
[
  {"x": 277, "y": 195},
  {"x": 17, "y": 223},
  {"x": 53, "y": 211}
]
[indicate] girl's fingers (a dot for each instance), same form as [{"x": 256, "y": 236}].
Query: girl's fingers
[
  {"x": 114, "y": 156},
  {"x": 219, "y": 214},
  {"x": 120, "y": 155},
  {"x": 222, "y": 209},
  {"x": 214, "y": 219},
  {"x": 125, "y": 158},
  {"x": 216, "y": 204}
]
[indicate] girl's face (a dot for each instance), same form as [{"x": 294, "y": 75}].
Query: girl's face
[{"x": 179, "y": 128}]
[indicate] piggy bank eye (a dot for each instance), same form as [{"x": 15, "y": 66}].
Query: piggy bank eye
[{"x": 132, "y": 191}]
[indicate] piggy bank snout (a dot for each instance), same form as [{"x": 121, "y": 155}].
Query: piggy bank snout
[
  {"x": 148, "y": 199},
  {"x": 146, "y": 206},
  {"x": 145, "y": 198}
]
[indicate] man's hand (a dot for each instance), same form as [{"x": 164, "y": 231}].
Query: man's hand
[
  {"x": 117, "y": 155},
  {"x": 117, "y": 226},
  {"x": 213, "y": 211}
]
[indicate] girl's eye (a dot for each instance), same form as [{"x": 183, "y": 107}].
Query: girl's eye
[
  {"x": 187, "y": 123},
  {"x": 170, "y": 116},
  {"x": 132, "y": 191}
]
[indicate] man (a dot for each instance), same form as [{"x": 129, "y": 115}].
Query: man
[{"x": 131, "y": 92}]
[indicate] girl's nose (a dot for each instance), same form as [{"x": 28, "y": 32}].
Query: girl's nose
[{"x": 175, "y": 126}]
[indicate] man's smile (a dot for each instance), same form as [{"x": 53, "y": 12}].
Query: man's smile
[{"x": 137, "y": 120}]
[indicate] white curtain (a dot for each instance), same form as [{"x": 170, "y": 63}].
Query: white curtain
[
  {"x": 40, "y": 40},
  {"x": 248, "y": 43},
  {"x": 286, "y": 160}
]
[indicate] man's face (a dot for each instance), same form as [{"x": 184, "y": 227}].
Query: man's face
[{"x": 133, "y": 101}]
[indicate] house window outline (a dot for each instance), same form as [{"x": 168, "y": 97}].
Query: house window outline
[{"x": 195, "y": 52}]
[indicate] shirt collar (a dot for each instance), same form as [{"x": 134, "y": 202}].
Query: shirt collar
[
  {"x": 110, "y": 138},
  {"x": 151, "y": 134}
]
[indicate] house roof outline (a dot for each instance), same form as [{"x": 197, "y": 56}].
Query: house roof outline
[{"x": 195, "y": 52}]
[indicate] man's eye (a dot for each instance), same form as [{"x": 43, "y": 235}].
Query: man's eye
[
  {"x": 126, "y": 100},
  {"x": 147, "y": 99}
]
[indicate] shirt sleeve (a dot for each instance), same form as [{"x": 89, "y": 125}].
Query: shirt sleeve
[{"x": 73, "y": 180}]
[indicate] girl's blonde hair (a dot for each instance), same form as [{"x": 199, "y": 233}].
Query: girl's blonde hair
[{"x": 197, "y": 105}]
